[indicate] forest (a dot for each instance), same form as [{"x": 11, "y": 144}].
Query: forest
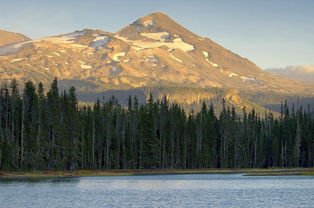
[{"x": 48, "y": 130}]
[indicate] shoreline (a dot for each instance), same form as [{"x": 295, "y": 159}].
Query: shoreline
[{"x": 104, "y": 173}]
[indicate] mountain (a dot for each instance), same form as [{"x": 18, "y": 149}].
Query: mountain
[
  {"x": 154, "y": 52},
  {"x": 302, "y": 72},
  {"x": 11, "y": 37}
]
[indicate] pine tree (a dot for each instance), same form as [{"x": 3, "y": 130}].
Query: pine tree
[
  {"x": 30, "y": 125},
  {"x": 54, "y": 120}
]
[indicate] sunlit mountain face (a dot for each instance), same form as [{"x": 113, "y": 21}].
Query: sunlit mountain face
[{"x": 154, "y": 53}]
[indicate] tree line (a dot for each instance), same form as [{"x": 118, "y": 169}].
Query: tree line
[{"x": 50, "y": 131}]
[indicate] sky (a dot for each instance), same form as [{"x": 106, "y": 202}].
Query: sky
[{"x": 271, "y": 33}]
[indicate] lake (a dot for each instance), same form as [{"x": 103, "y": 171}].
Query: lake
[{"x": 188, "y": 190}]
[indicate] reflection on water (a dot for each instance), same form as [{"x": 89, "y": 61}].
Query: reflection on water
[
  {"x": 39, "y": 180},
  {"x": 205, "y": 190}
]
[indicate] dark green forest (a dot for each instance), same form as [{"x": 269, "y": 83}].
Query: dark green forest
[{"x": 50, "y": 131}]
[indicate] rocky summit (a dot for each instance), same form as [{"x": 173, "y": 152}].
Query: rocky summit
[{"x": 154, "y": 53}]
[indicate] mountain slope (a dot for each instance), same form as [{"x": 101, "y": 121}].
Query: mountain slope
[
  {"x": 301, "y": 73},
  {"x": 11, "y": 37}
]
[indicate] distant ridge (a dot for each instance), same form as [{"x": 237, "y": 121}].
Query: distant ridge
[
  {"x": 7, "y": 37},
  {"x": 301, "y": 73}
]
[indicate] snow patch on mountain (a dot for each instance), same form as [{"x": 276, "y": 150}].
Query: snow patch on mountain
[
  {"x": 148, "y": 23},
  {"x": 251, "y": 80},
  {"x": 205, "y": 54},
  {"x": 151, "y": 59},
  {"x": 233, "y": 75},
  {"x": 17, "y": 60},
  {"x": 175, "y": 58},
  {"x": 84, "y": 66},
  {"x": 246, "y": 79},
  {"x": 78, "y": 46},
  {"x": 137, "y": 48},
  {"x": 177, "y": 43},
  {"x": 100, "y": 41},
  {"x": 213, "y": 64},
  {"x": 160, "y": 36},
  {"x": 46, "y": 68},
  {"x": 117, "y": 55}
]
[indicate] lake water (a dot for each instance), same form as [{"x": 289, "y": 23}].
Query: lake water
[{"x": 191, "y": 190}]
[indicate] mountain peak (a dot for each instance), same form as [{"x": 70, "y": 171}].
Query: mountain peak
[
  {"x": 156, "y": 19},
  {"x": 157, "y": 16},
  {"x": 156, "y": 22}
]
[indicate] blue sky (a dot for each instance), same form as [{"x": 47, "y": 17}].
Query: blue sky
[{"x": 271, "y": 33}]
